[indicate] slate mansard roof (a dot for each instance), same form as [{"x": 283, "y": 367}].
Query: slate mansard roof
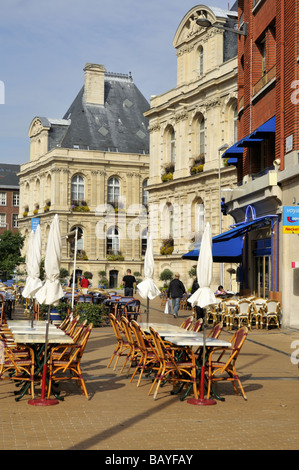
[
  {"x": 9, "y": 178},
  {"x": 117, "y": 126}
]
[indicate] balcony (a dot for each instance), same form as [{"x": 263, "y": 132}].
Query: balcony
[{"x": 267, "y": 78}]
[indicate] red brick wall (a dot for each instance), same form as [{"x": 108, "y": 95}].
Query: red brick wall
[{"x": 9, "y": 209}]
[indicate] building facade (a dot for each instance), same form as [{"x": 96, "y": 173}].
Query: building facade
[
  {"x": 267, "y": 152},
  {"x": 91, "y": 168},
  {"x": 188, "y": 126},
  {"x": 9, "y": 197}
]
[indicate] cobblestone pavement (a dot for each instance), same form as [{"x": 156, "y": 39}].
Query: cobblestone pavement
[{"x": 118, "y": 416}]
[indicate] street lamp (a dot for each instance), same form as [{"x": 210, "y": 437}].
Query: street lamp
[
  {"x": 205, "y": 23},
  {"x": 220, "y": 152}
]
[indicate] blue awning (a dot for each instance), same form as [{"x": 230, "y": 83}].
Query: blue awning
[
  {"x": 228, "y": 246},
  {"x": 265, "y": 129},
  {"x": 234, "y": 150},
  {"x": 229, "y": 251},
  {"x": 256, "y": 137}
]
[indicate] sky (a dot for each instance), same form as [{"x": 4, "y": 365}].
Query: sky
[{"x": 45, "y": 46}]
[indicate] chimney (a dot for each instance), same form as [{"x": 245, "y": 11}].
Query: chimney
[{"x": 94, "y": 87}]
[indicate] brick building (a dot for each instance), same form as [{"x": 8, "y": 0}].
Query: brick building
[
  {"x": 9, "y": 197},
  {"x": 267, "y": 152}
]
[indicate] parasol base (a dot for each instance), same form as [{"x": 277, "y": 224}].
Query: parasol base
[
  {"x": 201, "y": 401},
  {"x": 43, "y": 401}
]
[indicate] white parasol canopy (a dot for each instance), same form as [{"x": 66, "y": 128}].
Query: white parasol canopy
[
  {"x": 33, "y": 260},
  {"x": 51, "y": 291},
  {"x": 204, "y": 296},
  {"x": 147, "y": 288}
]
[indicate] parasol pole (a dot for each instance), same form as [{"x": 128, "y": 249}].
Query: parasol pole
[
  {"x": 74, "y": 270},
  {"x": 42, "y": 401}
]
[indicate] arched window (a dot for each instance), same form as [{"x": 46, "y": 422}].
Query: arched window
[
  {"x": 144, "y": 193},
  {"x": 80, "y": 241},
  {"x": 200, "y": 51},
  {"x": 78, "y": 188},
  {"x": 112, "y": 241},
  {"x": 202, "y": 137},
  {"x": 113, "y": 190},
  {"x": 172, "y": 146},
  {"x": 198, "y": 219}
]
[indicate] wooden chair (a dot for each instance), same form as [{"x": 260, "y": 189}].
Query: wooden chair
[
  {"x": 217, "y": 367},
  {"x": 122, "y": 345},
  {"x": 177, "y": 371},
  {"x": 17, "y": 367},
  {"x": 132, "y": 310},
  {"x": 271, "y": 313},
  {"x": 148, "y": 357},
  {"x": 134, "y": 353},
  {"x": 215, "y": 332},
  {"x": 229, "y": 311},
  {"x": 243, "y": 314},
  {"x": 196, "y": 326},
  {"x": 70, "y": 362},
  {"x": 187, "y": 323},
  {"x": 258, "y": 307}
]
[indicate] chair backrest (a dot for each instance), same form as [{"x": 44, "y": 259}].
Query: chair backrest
[
  {"x": 187, "y": 323},
  {"x": 132, "y": 306},
  {"x": 239, "y": 338},
  {"x": 116, "y": 327},
  {"x": 196, "y": 326},
  {"x": 158, "y": 345},
  {"x": 83, "y": 340},
  {"x": 258, "y": 303},
  {"x": 244, "y": 306},
  {"x": 127, "y": 330},
  {"x": 72, "y": 325},
  {"x": 88, "y": 298},
  {"x": 216, "y": 330},
  {"x": 272, "y": 306}
]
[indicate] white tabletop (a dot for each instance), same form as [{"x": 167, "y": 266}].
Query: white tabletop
[
  {"x": 39, "y": 338},
  {"x": 165, "y": 329},
  {"x": 24, "y": 327},
  {"x": 197, "y": 341},
  {"x": 23, "y": 333}
]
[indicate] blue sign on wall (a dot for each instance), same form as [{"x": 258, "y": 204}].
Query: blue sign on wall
[
  {"x": 290, "y": 219},
  {"x": 34, "y": 223}
]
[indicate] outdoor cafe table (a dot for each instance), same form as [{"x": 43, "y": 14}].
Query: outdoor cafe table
[
  {"x": 166, "y": 329},
  {"x": 35, "y": 338},
  {"x": 189, "y": 341}
]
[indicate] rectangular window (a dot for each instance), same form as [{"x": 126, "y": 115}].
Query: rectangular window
[
  {"x": 2, "y": 220},
  {"x": 15, "y": 222},
  {"x": 2, "y": 199},
  {"x": 16, "y": 199}
]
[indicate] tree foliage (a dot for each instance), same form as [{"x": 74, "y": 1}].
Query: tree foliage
[{"x": 11, "y": 245}]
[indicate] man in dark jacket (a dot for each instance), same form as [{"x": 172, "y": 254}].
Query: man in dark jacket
[{"x": 176, "y": 290}]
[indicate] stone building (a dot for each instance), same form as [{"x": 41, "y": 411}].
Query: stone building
[
  {"x": 188, "y": 126},
  {"x": 91, "y": 168}
]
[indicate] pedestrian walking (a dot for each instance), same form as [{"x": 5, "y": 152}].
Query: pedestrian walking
[
  {"x": 129, "y": 284},
  {"x": 176, "y": 290}
]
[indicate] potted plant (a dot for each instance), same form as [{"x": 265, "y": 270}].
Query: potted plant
[
  {"x": 103, "y": 281},
  {"x": 198, "y": 164},
  {"x": 167, "y": 246},
  {"x": 168, "y": 171}
]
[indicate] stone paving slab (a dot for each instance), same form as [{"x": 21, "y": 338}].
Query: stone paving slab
[{"x": 118, "y": 416}]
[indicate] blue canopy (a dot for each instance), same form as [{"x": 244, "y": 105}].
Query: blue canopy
[
  {"x": 228, "y": 246},
  {"x": 229, "y": 251}
]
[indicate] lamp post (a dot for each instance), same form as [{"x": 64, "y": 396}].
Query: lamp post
[
  {"x": 205, "y": 23},
  {"x": 220, "y": 152}
]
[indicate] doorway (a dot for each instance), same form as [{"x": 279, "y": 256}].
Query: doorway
[{"x": 113, "y": 279}]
